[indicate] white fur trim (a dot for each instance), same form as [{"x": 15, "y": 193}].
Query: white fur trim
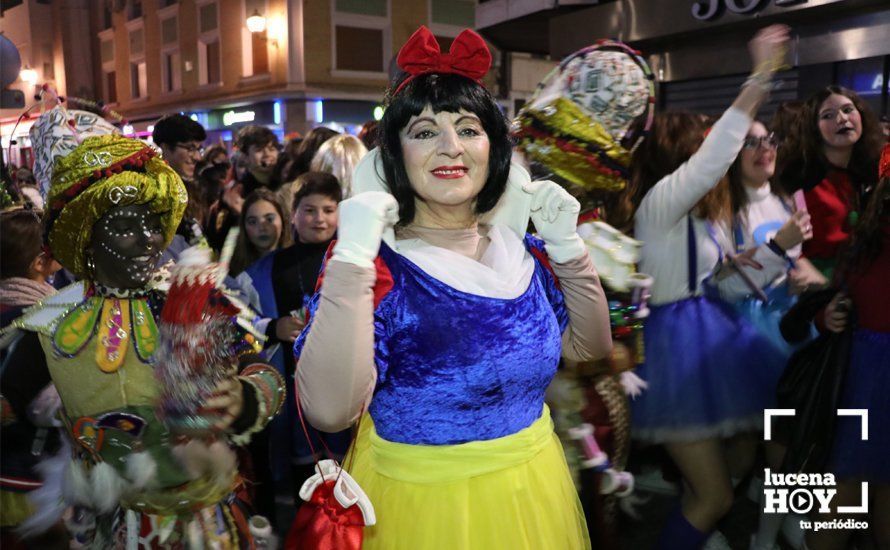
[
  {"x": 142, "y": 470},
  {"x": 107, "y": 486},
  {"x": 75, "y": 483},
  {"x": 47, "y": 500}
]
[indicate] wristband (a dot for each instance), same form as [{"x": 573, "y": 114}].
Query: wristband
[
  {"x": 762, "y": 80},
  {"x": 774, "y": 246}
]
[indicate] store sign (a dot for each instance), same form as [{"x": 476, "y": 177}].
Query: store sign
[
  {"x": 707, "y": 10},
  {"x": 235, "y": 117},
  {"x": 866, "y": 83}
]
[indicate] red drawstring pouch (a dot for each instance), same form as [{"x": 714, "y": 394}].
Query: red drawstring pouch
[
  {"x": 334, "y": 514},
  {"x": 335, "y": 510}
]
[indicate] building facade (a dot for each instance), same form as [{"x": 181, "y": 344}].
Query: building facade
[
  {"x": 314, "y": 62},
  {"x": 698, "y": 48}
]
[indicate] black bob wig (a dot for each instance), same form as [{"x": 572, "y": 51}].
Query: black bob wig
[{"x": 449, "y": 93}]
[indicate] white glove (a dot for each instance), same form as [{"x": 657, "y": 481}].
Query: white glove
[
  {"x": 555, "y": 215},
  {"x": 363, "y": 219}
]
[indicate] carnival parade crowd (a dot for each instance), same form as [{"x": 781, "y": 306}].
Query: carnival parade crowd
[{"x": 452, "y": 331}]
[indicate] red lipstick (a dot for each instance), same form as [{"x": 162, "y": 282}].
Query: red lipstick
[{"x": 449, "y": 172}]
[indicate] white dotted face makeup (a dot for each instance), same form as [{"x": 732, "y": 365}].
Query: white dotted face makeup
[{"x": 126, "y": 245}]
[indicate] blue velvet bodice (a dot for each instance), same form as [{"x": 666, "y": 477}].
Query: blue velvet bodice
[{"x": 454, "y": 367}]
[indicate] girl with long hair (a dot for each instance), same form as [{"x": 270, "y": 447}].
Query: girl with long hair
[
  {"x": 765, "y": 228},
  {"x": 705, "y": 386},
  {"x": 262, "y": 228},
  {"x": 832, "y": 159}
]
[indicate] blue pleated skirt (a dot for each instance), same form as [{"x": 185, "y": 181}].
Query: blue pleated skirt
[
  {"x": 710, "y": 373},
  {"x": 866, "y": 386}
]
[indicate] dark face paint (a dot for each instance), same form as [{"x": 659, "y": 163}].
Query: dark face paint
[{"x": 126, "y": 245}]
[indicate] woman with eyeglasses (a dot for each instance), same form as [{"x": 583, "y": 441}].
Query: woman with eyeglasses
[
  {"x": 707, "y": 368},
  {"x": 766, "y": 232},
  {"x": 767, "y": 275}
]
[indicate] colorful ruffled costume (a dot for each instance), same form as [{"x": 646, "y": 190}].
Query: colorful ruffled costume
[
  {"x": 581, "y": 126},
  {"x": 131, "y": 481}
]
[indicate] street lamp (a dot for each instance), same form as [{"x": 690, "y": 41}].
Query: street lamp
[
  {"x": 256, "y": 23},
  {"x": 28, "y": 75}
]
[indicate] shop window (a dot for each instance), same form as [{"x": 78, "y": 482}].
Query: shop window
[
  {"x": 138, "y": 80},
  {"x": 865, "y": 77},
  {"x": 376, "y": 8},
  {"x": 359, "y": 49},
  {"x": 458, "y": 13}
]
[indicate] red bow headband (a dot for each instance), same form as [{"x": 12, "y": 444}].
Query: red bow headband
[
  {"x": 884, "y": 165},
  {"x": 468, "y": 56}
]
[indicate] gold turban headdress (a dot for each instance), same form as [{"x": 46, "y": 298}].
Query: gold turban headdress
[{"x": 99, "y": 174}]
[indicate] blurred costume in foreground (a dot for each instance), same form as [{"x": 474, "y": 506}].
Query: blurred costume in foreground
[
  {"x": 580, "y": 128},
  {"x": 148, "y": 380}
]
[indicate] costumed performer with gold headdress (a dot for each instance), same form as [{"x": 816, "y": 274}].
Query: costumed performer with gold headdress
[
  {"x": 149, "y": 463},
  {"x": 580, "y": 127}
]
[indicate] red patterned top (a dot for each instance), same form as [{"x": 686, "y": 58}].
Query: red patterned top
[{"x": 829, "y": 204}]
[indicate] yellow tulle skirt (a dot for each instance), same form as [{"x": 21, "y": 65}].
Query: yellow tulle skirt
[{"x": 514, "y": 492}]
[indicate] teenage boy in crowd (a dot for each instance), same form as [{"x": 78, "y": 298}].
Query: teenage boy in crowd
[
  {"x": 259, "y": 146},
  {"x": 285, "y": 280},
  {"x": 181, "y": 140}
]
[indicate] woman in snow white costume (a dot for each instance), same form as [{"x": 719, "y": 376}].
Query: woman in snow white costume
[
  {"x": 136, "y": 476},
  {"x": 448, "y": 329}
]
